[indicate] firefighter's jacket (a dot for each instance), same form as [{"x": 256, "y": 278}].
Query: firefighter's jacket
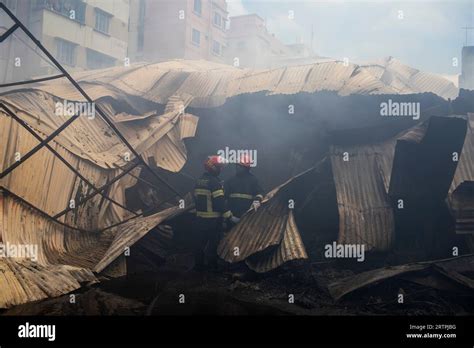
[
  {"x": 210, "y": 200},
  {"x": 240, "y": 191}
]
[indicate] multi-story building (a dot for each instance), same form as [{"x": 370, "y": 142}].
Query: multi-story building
[
  {"x": 136, "y": 30},
  {"x": 250, "y": 44},
  {"x": 80, "y": 34},
  {"x": 93, "y": 34},
  {"x": 186, "y": 29}
]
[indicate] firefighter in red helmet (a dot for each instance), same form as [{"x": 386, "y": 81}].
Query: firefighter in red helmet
[
  {"x": 211, "y": 211},
  {"x": 243, "y": 190}
]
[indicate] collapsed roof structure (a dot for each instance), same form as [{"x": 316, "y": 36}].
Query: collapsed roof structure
[
  {"x": 415, "y": 166},
  {"x": 64, "y": 179}
]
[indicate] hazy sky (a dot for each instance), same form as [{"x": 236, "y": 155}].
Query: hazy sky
[{"x": 428, "y": 36}]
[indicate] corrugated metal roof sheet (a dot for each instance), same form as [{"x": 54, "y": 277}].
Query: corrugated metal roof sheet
[
  {"x": 91, "y": 138},
  {"x": 291, "y": 248},
  {"x": 210, "y": 83},
  {"x": 365, "y": 211},
  {"x": 292, "y": 79},
  {"x": 269, "y": 237},
  {"x": 330, "y": 76},
  {"x": 91, "y": 147},
  {"x": 365, "y": 181},
  {"x": 27, "y": 281},
  {"x": 64, "y": 257},
  {"x": 128, "y": 233},
  {"x": 404, "y": 79},
  {"x": 256, "y": 232}
]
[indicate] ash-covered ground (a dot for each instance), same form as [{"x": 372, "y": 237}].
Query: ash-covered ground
[{"x": 294, "y": 290}]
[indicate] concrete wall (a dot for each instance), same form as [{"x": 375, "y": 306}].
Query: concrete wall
[{"x": 167, "y": 36}]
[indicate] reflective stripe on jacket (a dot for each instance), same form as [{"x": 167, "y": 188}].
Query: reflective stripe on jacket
[
  {"x": 240, "y": 191},
  {"x": 209, "y": 198}
]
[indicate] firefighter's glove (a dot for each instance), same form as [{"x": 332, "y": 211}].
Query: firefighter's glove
[{"x": 256, "y": 204}]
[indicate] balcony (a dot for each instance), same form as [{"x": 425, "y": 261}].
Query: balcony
[{"x": 71, "y": 9}]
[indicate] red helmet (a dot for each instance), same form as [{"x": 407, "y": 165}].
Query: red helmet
[
  {"x": 245, "y": 161},
  {"x": 214, "y": 164}
]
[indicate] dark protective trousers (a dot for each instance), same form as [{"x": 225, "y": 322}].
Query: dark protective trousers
[{"x": 209, "y": 234}]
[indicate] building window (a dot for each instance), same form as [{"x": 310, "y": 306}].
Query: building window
[
  {"x": 198, "y": 6},
  {"x": 216, "y": 48},
  {"x": 102, "y": 20},
  {"x": 72, "y": 9},
  {"x": 96, "y": 60},
  {"x": 218, "y": 20},
  {"x": 196, "y": 37},
  {"x": 66, "y": 52}
]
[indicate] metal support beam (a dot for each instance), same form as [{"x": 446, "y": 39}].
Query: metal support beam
[
  {"x": 7, "y": 192},
  {"x": 38, "y": 147},
  {"x": 139, "y": 160},
  {"x": 48, "y": 78},
  {"x": 10, "y": 31},
  {"x": 101, "y": 189}
]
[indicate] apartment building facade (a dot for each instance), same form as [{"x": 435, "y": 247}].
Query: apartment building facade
[
  {"x": 94, "y": 34},
  {"x": 185, "y": 29},
  {"x": 80, "y": 34}
]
